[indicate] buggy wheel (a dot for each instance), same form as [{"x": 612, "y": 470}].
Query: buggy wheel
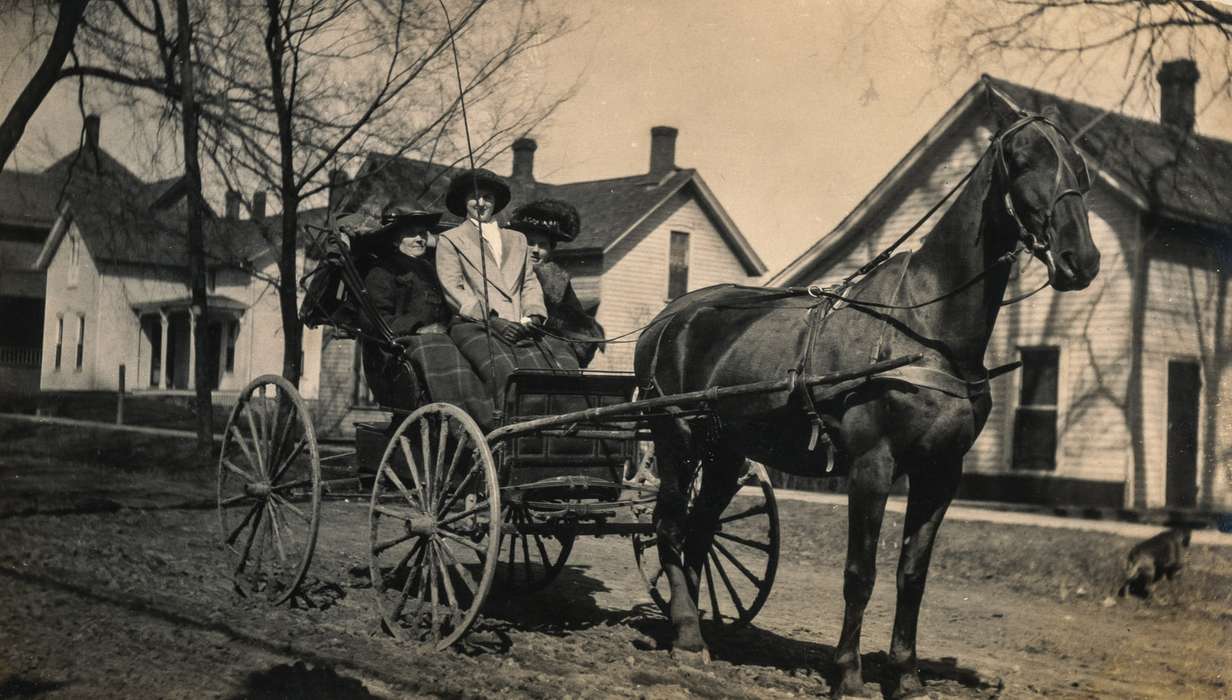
[
  {"x": 434, "y": 526},
  {"x": 740, "y": 566},
  {"x": 269, "y": 489},
  {"x": 530, "y": 560}
]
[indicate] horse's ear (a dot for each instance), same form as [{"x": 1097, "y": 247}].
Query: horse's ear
[{"x": 1003, "y": 109}]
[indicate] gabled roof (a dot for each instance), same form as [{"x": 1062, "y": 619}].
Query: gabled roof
[
  {"x": 125, "y": 220},
  {"x": 27, "y": 199},
  {"x": 1155, "y": 167},
  {"x": 610, "y": 209}
]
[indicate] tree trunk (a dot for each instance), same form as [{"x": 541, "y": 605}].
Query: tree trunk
[
  {"x": 292, "y": 331},
  {"x": 196, "y": 237},
  {"x": 43, "y": 79}
]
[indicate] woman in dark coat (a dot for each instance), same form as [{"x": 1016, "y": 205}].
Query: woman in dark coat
[
  {"x": 546, "y": 223},
  {"x": 403, "y": 286}
]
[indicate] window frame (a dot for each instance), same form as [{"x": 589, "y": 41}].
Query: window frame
[
  {"x": 79, "y": 361},
  {"x": 1056, "y": 408},
  {"x": 59, "y": 343},
  {"x": 673, "y": 236}
]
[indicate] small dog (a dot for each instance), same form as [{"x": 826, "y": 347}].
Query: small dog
[{"x": 1153, "y": 559}]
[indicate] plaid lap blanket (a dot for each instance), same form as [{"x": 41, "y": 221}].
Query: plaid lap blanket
[
  {"x": 495, "y": 368},
  {"x": 449, "y": 376}
]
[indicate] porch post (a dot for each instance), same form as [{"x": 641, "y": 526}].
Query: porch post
[
  {"x": 192, "y": 348},
  {"x": 162, "y": 349}
]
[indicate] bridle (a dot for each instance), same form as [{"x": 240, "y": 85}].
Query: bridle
[{"x": 1039, "y": 244}]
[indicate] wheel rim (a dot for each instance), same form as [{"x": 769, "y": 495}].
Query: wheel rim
[
  {"x": 269, "y": 490},
  {"x": 435, "y": 499},
  {"x": 530, "y": 562},
  {"x": 740, "y": 566}
]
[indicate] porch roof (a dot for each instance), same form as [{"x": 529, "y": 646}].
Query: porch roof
[{"x": 214, "y": 302}]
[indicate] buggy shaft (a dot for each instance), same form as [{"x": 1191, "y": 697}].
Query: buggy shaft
[{"x": 632, "y": 409}]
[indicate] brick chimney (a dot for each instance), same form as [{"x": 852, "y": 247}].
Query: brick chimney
[
  {"x": 662, "y": 150},
  {"x": 1177, "y": 80},
  {"x": 524, "y": 159},
  {"x": 233, "y": 204},
  {"x": 337, "y": 188},
  {"x": 258, "y": 205}
]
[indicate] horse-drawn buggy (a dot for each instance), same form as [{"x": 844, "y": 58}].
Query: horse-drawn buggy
[{"x": 454, "y": 513}]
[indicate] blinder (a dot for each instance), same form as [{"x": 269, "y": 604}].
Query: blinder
[{"x": 1039, "y": 243}]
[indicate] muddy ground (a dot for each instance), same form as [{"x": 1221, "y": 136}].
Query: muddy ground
[{"x": 110, "y": 587}]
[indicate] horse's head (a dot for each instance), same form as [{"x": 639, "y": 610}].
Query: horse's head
[{"x": 1043, "y": 180}]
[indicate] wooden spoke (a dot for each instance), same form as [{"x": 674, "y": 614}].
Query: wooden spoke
[
  {"x": 234, "y": 469},
  {"x": 388, "y": 471},
  {"x": 239, "y": 528},
  {"x": 458, "y": 451},
  {"x": 436, "y": 630},
  {"x": 412, "y": 577},
  {"x": 715, "y": 612},
  {"x": 442, "y": 442},
  {"x": 405, "y": 445},
  {"x": 760, "y": 509},
  {"x": 760, "y": 546},
  {"x": 425, "y": 446},
  {"x": 291, "y": 507},
  {"x": 382, "y": 546},
  {"x": 292, "y": 485},
  {"x": 543, "y": 552},
  {"x": 273, "y": 518},
  {"x": 455, "y": 517},
  {"x": 461, "y": 571},
  {"x": 239, "y": 440},
  {"x": 232, "y": 500},
  {"x": 463, "y": 541},
  {"x": 256, "y": 441},
  {"x": 731, "y": 589},
  {"x": 285, "y": 463},
  {"x": 447, "y": 581},
  {"x": 526, "y": 559},
  {"x": 340, "y": 455},
  {"x": 392, "y": 513},
  {"x": 461, "y": 490},
  {"x": 718, "y": 546}
]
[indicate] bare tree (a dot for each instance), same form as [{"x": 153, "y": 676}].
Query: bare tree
[
  {"x": 329, "y": 81},
  {"x": 1065, "y": 39},
  {"x": 196, "y": 235},
  {"x": 68, "y": 19}
]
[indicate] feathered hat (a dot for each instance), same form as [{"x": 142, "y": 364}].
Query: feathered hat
[{"x": 553, "y": 217}]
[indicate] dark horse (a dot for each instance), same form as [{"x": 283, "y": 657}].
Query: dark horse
[{"x": 941, "y": 301}]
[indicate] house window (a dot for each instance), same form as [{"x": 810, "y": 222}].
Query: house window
[
  {"x": 81, "y": 339},
  {"x": 363, "y": 394},
  {"x": 1035, "y": 420},
  {"x": 233, "y": 331},
  {"x": 74, "y": 260},
  {"x": 59, "y": 340},
  {"x": 678, "y": 265}
]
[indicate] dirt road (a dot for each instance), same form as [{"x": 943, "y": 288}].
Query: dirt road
[{"x": 102, "y": 601}]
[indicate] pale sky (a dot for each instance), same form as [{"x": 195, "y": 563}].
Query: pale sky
[{"x": 791, "y": 110}]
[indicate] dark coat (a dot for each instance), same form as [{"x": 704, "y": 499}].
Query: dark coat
[
  {"x": 566, "y": 317},
  {"x": 406, "y": 292}
]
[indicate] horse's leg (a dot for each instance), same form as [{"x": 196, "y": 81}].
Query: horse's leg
[
  {"x": 671, "y": 529},
  {"x": 928, "y": 498},
  {"x": 719, "y": 485},
  {"x": 868, "y": 487}
]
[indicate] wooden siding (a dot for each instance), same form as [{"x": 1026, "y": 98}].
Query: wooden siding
[
  {"x": 65, "y": 300},
  {"x": 1186, "y": 303},
  {"x": 634, "y": 285}
]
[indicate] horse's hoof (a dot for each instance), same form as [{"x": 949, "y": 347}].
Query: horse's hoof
[
  {"x": 909, "y": 687},
  {"x": 694, "y": 659}
]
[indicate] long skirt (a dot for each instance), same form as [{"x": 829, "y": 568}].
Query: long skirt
[
  {"x": 494, "y": 368},
  {"x": 441, "y": 367}
]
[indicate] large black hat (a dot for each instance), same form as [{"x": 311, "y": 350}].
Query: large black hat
[
  {"x": 554, "y": 217},
  {"x": 397, "y": 216},
  {"x": 467, "y": 181}
]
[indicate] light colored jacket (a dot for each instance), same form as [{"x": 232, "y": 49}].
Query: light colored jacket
[{"x": 513, "y": 288}]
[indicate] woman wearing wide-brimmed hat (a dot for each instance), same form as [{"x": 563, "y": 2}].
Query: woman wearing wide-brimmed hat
[
  {"x": 403, "y": 286},
  {"x": 491, "y": 285},
  {"x": 547, "y": 223}
]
